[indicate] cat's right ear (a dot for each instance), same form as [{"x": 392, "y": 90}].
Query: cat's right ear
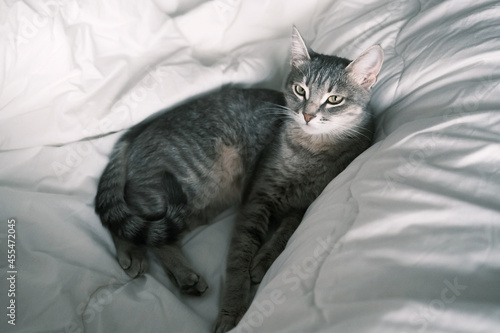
[
  {"x": 300, "y": 52},
  {"x": 365, "y": 69}
]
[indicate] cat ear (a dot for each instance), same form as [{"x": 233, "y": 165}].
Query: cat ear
[
  {"x": 300, "y": 53},
  {"x": 364, "y": 70}
]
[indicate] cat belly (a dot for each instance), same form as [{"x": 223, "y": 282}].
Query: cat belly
[{"x": 220, "y": 188}]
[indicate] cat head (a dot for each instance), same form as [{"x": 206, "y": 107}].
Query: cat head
[{"x": 329, "y": 94}]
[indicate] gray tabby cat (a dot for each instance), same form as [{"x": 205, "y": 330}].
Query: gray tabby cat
[{"x": 270, "y": 152}]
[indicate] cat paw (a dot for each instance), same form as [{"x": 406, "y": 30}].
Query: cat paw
[
  {"x": 134, "y": 263},
  {"x": 226, "y": 321},
  {"x": 192, "y": 284}
]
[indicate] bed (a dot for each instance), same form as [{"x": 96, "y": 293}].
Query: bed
[{"x": 406, "y": 239}]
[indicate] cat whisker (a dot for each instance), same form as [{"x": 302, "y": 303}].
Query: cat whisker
[
  {"x": 277, "y": 109},
  {"x": 349, "y": 130}
]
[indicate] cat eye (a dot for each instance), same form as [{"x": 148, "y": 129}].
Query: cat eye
[
  {"x": 335, "y": 100},
  {"x": 299, "y": 90}
]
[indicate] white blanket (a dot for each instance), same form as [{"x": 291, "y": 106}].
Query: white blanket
[{"x": 407, "y": 239}]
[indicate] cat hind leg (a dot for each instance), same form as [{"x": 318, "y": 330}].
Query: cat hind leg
[
  {"x": 180, "y": 273},
  {"x": 131, "y": 257}
]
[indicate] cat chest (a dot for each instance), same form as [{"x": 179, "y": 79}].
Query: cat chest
[
  {"x": 302, "y": 187},
  {"x": 295, "y": 180}
]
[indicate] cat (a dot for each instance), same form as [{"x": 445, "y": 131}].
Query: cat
[{"x": 270, "y": 152}]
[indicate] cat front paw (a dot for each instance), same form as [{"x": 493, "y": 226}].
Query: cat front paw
[
  {"x": 227, "y": 320},
  {"x": 193, "y": 284},
  {"x": 224, "y": 324}
]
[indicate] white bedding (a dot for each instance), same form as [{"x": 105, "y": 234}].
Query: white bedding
[{"x": 407, "y": 239}]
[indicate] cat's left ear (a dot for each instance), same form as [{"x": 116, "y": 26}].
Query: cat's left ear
[
  {"x": 300, "y": 52},
  {"x": 364, "y": 70}
]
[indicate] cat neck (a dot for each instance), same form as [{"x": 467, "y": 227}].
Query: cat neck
[{"x": 315, "y": 143}]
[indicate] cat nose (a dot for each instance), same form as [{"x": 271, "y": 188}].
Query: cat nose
[{"x": 308, "y": 117}]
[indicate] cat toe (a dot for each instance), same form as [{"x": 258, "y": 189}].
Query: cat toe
[
  {"x": 193, "y": 284},
  {"x": 227, "y": 320},
  {"x": 134, "y": 265},
  {"x": 138, "y": 268},
  {"x": 224, "y": 323},
  {"x": 131, "y": 257},
  {"x": 124, "y": 261}
]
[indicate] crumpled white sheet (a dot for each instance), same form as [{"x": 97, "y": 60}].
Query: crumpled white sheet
[{"x": 405, "y": 240}]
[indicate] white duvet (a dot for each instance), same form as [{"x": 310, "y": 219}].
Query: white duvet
[{"x": 407, "y": 239}]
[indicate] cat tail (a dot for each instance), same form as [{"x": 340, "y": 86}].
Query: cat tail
[
  {"x": 110, "y": 203},
  {"x": 117, "y": 216}
]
